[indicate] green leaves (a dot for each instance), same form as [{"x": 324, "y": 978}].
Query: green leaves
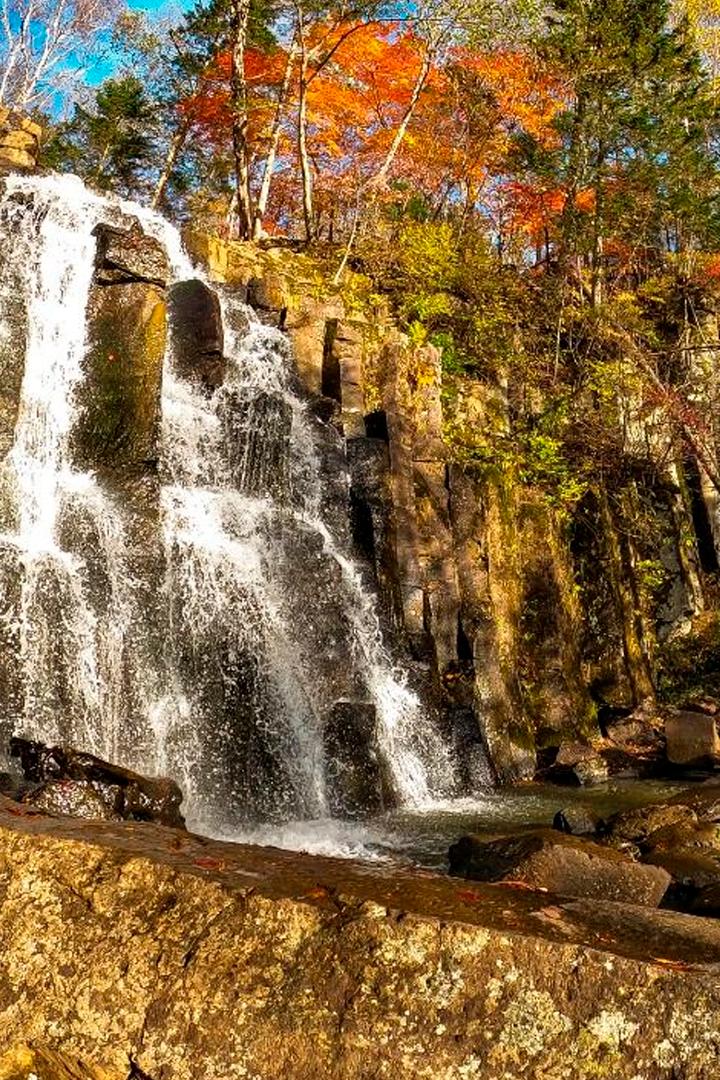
[{"x": 109, "y": 142}]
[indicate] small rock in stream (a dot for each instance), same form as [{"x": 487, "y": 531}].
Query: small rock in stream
[{"x": 560, "y": 864}]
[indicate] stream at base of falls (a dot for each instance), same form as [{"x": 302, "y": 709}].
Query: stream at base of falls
[{"x": 422, "y": 837}]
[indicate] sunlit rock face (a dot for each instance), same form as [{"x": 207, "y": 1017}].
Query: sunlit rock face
[
  {"x": 197, "y": 960},
  {"x": 126, "y": 328},
  {"x": 19, "y": 142}
]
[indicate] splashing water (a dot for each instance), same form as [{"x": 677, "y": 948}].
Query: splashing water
[{"x": 216, "y": 663}]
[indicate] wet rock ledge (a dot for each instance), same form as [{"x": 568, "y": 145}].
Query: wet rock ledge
[{"x": 133, "y": 950}]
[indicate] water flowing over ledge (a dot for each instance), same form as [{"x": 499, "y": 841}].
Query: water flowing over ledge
[{"x": 202, "y": 618}]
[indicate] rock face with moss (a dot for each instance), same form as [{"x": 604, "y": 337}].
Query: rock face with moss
[
  {"x": 19, "y": 142},
  {"x": 131, "y": 950},
  {"x": 538, "y": 598},
  {"x": 127, "y": 323}
]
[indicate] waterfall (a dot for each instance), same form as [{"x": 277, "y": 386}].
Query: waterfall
[{"x": 219, "y": 659}]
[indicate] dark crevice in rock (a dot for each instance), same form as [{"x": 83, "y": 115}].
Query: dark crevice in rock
[
  {"x": 701, "y": 523},
  {"x": 376, "y": 425},
  {"x": 331, "y": 377}
]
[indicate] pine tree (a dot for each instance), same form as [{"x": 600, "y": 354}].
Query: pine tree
[
  {"x": 636, "y": 140},
  {"x": 110, "y": 144}
]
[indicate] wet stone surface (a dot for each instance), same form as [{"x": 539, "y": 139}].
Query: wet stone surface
[{"x": 65, "y": 781}]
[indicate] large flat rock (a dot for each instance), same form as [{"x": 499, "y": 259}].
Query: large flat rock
[{"x": 133, "y": 950}]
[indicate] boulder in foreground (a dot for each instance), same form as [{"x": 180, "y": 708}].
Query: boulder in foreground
[
  {"x": 692, "y": 740},
  {"x": 130, "y": 951},
  {"x": 562, "y": 864}
]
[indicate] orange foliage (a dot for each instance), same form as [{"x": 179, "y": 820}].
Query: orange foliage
[{"x": 471, "y": 107}]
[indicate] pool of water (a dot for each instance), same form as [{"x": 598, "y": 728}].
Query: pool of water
[{"x": 422, "y": 837}]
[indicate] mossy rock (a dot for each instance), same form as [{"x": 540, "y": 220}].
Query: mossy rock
[{"x": 127, "y": 328}]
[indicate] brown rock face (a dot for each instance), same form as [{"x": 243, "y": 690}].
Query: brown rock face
[
  {"x": 14, "y": 338},
  {"x": 561, "y": 864},
  {"x": 19, "y": 142},
  {"x": 196, "y": 333},
  {"x": 22, "y": 1062},
  {"x": 133, "y": 951},
  {"x": 126, "y": 348},
  {"x": 692, "y": 739}
]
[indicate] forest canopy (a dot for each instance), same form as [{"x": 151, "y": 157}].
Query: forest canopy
[{"x": 533, "y": 187}]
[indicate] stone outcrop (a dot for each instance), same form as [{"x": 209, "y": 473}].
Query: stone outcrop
[
  {"x": 559, "y": 863},
  {"x": 127, "y": 329},
  {"x": 19, "y": 142},
  {"x": 65, "y": 781},
  {"x": 196, "y": 333},
  {"x": 19, "y": 150},
  {"x": 476, "y": 584},
  {"x": 133, "y": 951},
  {"x": 14, "y": 337},
  {"x": 532, "y": 624}
]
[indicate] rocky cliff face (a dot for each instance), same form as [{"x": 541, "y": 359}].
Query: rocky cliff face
[
  {"x": 525, "y": 626},
  {"x": 530, "y": 624}
]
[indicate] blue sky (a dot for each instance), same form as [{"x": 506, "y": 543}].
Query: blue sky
[
  {"x": 155, "y": 5},
  {"x": 105, "y": 67}
]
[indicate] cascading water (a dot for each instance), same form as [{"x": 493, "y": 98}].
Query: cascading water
[{"x": 260, "y": 620}]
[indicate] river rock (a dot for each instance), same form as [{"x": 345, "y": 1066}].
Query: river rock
[
  {"x": 692, "y": 739},
  {"x": 560, "y": 864},
  {"x": 353, "y": 774},
  {"x": 196, "y": 333},
  {"x": 702, "y": 799},
  {"x": 577, "y": 763},
  {"x": 140, "y": 953},
  {"x": 577, "y": 821},
  {"x": 77, "y": 798},
  {"x": 692, "y": 873},
  {"x": 636, "y": 735},
  {"x": 78, "y": 784},
  {"x": 638, "y": 824}
]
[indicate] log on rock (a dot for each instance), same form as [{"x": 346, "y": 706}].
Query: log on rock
[
  {"x": 66, "y": 781},
  {"x": 562, "y": 864}
]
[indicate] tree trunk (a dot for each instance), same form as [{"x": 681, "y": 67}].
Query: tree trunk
[
  {"x": 176, "y": 146},
  {"x": 621, "y": 569},
  {"x": 264, "y": 195},
  {"x": 241, "y": 10},
  {"x": 305, "y": 166},
  {"x": 382, "y": 173}
]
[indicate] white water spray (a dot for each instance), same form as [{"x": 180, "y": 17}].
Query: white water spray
[{"x": 222, "y": 685}]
